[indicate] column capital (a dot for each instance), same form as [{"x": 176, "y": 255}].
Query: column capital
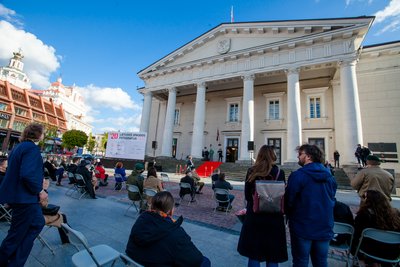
[
  {"x": 172, "y": 90},
  {"x": 248, "y": 77},
  {"x": 201, "y": 84},
  {"x": 292, "y": 71},
  {"x": 348, "y": 62},
  {"x": 147, "y": 93}
]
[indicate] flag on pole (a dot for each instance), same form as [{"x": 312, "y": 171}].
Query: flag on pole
[
  {"x": 217, "y": 134},
  {"x": 232, "y": 19}
]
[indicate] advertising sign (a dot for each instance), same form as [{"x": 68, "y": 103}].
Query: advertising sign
[{"x": 126, "y": 145}]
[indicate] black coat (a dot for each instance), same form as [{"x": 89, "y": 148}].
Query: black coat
[
  {"x": 158, "y": 241},
  {"x": 263, "y": 236}
]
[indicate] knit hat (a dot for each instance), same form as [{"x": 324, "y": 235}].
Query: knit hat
[
  {"x": 139, "y": 166},
  {"x": 373, "y": 158}
]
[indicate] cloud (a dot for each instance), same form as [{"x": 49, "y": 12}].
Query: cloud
[
  {"x": 122, "y": 123},
  {"x": 390, "y": 11},
  {"x": 348, "y": 2},
  {"x": 40, "y": 59},
  {"x": 106, "y": 97},
  {"x": 10, "y": 15}
]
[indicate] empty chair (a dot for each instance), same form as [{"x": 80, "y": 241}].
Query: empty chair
[
  {"x": 72, "y": 181},
  {"x": 99, "y": 255},
  {"x": 134, "y": 189},
  {"x": 128, "y": 261},
  {"x": 344, "y": 230},
  {"x": 164, "y": 177},
  {"x": 186, "y": 189},
  {"x": 221, "y": 196},
  {"x": 386, "y": 250}
]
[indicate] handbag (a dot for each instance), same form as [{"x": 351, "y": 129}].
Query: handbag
[
  {"x": 50, "y": 209},
  {"x": 268, "y": 196}
]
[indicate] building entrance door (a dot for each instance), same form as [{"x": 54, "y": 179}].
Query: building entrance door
[
  {"x": 276, "y": 143},
  {"x": 319, "y": 142},
  {"x": 232, "y": 149}
]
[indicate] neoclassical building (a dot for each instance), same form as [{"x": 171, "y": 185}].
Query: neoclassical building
[{"x": 282, "y": 83}]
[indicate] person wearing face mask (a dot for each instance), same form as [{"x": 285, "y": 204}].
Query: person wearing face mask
[{"x": 188, "y": 179}]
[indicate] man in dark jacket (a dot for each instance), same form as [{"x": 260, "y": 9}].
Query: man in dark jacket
[
  {"x": 156, "y": 239},
  {"x": 223, "y": 184},
  {"x": 310, "y": 198},
  {"x": 22, "y": 188},
  {"x": 189, "y": 180},
  {"x": 50, "y": 168},
  {"x": 83, "y": 169}
]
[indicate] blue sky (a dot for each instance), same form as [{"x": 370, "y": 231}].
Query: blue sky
[{"x": 101, "y": 45}]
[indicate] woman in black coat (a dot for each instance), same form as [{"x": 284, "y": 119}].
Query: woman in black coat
[{"x": 263, "y": 235}]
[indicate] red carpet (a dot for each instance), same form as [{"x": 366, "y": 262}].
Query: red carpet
[{"x": 207, "y": 168}]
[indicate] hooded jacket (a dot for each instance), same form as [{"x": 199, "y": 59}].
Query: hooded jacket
[
  {"x": 158, "y": 241},
  {"x": 309, "y": 200}
]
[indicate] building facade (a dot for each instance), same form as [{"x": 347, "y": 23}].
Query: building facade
[
  {"x": 73, "y": 104},
  {"x": 282, "y": 83},
  {"x": 19, "y": 106}
]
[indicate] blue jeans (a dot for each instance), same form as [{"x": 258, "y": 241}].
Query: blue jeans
[
  {"x": 256, "y": 263},
  {"x": 302, "y": 249}
]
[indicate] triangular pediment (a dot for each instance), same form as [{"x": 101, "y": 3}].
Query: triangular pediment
[{"x": 232, "y": 40}]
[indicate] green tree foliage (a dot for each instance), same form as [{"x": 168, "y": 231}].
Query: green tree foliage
[
  {"x": 104, "y": 141},
  {"x": 50, "y": 132},
  {"x": 74, "y": 138},
  {"x": 91, "y": 143}
]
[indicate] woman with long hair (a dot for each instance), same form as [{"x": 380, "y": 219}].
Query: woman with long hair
[
  {"x": 376, "y": 212},
  {"x": 263, "y": 235}
]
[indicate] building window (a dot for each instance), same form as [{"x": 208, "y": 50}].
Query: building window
[
  {"x": 176, "y": 117},
  {"x": 3, "y": 106},
  {"x": 233, "y": 109},
  {"x": 19, "y": 126},
  {"x": 20, "y": 111},
  {"x": 274, "y": 106},
  {"x": 273, "y": 110},
  {"x": 315, "y": 107},
  {"x": 316, "y": 103},
  {"x": 234, "y": 112},
  {"x": 4, "y": 123}
]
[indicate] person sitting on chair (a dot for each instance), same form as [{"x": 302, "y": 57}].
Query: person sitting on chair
[
  {"x": 136, "y": 178},
  {"x": 156, "y": 239},
  {"x": 72, "y": 168},
  {"x": 83, "y": 169},
  {"x": 119, "y": 169},
  {"x": 197, "y": 181},
  {"x": 215, "y": 176},
  {"x": 376, "y": 212},
  {"x": 152, "y": 181},
  {"x": 223, "y": 184},
  {"x": 189, "y": 180},
  {"x": 100, "y": 174},
  {"x": 49, "y": 166}
]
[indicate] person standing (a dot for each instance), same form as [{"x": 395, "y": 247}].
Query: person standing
[
  {"x": 220, "y": 156},
  {"x": 365, "y": 152},
  {"x": 373, "y": 177},
  {"x": 336, "y": 157},
  {"x": 357, "y": 153},
  {"x": 263, "y": 235},
  {"x": 22, "y": 189},
  {"x": 309, "y": 202},
  {"x": 211, "y": 153}
]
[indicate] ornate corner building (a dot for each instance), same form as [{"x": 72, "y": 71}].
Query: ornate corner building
[
  {"x": 282, "y": 83},
  {"x": 19, "y": 106}
]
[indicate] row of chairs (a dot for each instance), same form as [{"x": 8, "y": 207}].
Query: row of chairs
[
  {"x": 78, "y": 185},
  {"x": 385, "y": 237}
]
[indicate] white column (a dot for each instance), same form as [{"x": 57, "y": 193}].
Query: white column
[
  {"x": 247, "y": 116},
  {"x": 166, "y": 149},
  {"x": 293, "y": 115},
  {"x": 145, "y": 120},
  {"x": 351, "y": 119},
  {"x": 199, "y": 117}
]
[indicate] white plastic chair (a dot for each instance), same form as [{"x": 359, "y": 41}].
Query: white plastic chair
[
  {"x": 384, "y": 237},
  {"x": 342, "y": 229},
  {"x": 164, "y": 177},
  {"x": 128, "y": 261},
  {"x": 223, "y": 195},
  {"x": 134, "y": 189},
  {"x": 99, "y": 255}
]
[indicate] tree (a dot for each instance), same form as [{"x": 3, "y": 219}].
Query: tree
[
  {"x": 91, "y": 143},
  {"x": 50, "y": 132},
  {"x": 74, "y": 138}
]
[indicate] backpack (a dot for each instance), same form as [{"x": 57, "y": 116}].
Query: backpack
[{"x": 268, "y": 196}]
